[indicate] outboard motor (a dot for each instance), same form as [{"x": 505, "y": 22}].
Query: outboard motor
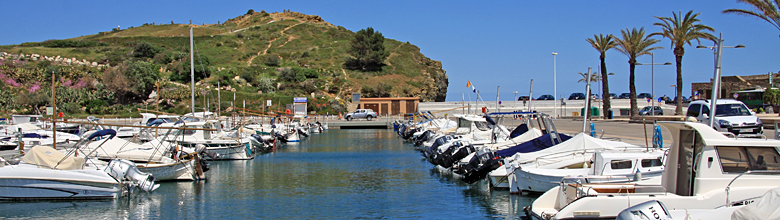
[
  {"x": 280, "y": 137},
  {"x": 479, "y": 167},
  {"x": 125, "y": 170},
  {"x": 203, "y": 151}
]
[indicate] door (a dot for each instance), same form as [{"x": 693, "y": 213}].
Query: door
[
  {"x": 411, "y": 107},
  {"x": 395, "y": 107},
  {"x": 691, "y": 146},
  {"x": 374, "y": 107},
  {"x": 384, "y": 109}
]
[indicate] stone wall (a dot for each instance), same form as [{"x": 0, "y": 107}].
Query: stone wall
[{"x": 72, "y": 61}]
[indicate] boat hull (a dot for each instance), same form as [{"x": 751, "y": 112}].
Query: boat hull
[{"x": 31, "y": 183}]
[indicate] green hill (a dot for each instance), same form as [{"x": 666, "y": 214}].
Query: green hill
[{"x": 258, "y": 56}]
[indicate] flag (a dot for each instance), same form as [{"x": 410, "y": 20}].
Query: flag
[
  {"x": 468, "y": 84},
  {"x": 473, "y": 89}
]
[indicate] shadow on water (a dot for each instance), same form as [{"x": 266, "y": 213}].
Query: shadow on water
[{"x": 499, "y": 204}]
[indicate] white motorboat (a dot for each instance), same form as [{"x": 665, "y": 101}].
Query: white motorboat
[
  {"x": 33, "y": 135},
  {"x": 209, "y": 135},
  {"x": 704, "y": 170},
  {"x": 576, "y": 152},
  {"x": 158, "y": 158},
  {"x": 45, "y": 173},
  {"x": 614, "y": 166}
]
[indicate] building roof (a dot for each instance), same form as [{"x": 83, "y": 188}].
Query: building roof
[{"x": 389, "y": 99}]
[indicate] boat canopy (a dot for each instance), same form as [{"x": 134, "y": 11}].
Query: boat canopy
[
  {"x": 578, "y": 143},
  {"x": 47, "y": 157},
  {"x": 537, "y": 144}
]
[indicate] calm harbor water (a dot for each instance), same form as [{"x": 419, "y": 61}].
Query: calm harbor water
[{"x": 339, "y": 174}]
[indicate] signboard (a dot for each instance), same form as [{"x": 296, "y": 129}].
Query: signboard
[
  {"x": 268, "y": 102},
  {"x": 736, "y": 95},
  {"x": 299, "y": 99},
  {"x": 356, "y": 97},
  {"x": 49, "y": 110}
]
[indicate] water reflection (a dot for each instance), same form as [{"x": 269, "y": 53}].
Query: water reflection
[{"x": 337, "y": 174}]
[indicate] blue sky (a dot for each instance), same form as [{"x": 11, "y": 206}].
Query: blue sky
[{"x": 500, "y": 43}]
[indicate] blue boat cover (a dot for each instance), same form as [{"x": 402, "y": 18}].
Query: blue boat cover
[
  {"x": 34, "y": 135},
  {"x": 519, "y": 130},
  {"x": 101, "y": 133},
  {"x": 536, "y": 144}
]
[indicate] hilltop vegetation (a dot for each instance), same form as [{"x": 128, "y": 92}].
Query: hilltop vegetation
[{"x": 258, "y": 56}]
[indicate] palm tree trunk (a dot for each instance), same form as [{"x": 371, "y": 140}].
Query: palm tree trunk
[
  {"x": 632, "y": 88},
  {"x": 605, "y": 85},
  {"x": 678, "y": 109}
]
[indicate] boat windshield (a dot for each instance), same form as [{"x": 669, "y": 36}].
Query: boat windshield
[
  {"x": 742, "y": 159},
  {"x": 736, "y": 109},
  {"x": 481, "y": 125}
]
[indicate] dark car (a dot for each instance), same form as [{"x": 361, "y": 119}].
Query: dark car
[
  {"x": 613, "y": 95},
  {"x": 577, "y": 95},
  {"x": 521, "y": 98},
  {"x": 644, "y": 96},
  {"x": 656, "y": 110},
  {"x": 684, "y": 100},
  {"x": 624, "y": 95},
  {"x": 546, "y": 97}
]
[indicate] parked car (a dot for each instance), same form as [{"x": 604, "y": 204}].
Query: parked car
[
  {"x": 594, "y": 96},
  {"x": 730, "y": 116},
  {"x": 656, "y": 110},
  {"x": 521, "y": 98},
  {"x": 546, "y": 97},
  {"x": 613, "y": 95},
  {"x": 624, "y": 95},
  {"x": 368, "y": 114},
  {"x": 674, "y": 101},
  {"x": 576, "y": 95},
  {"x": 644, "y": 96}
]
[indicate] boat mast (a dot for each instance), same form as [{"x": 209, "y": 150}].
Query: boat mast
[
  {"x": 192, "y": 74},
  {"x": 54, "y": 113},
  {"x": 587, "y": 100}
]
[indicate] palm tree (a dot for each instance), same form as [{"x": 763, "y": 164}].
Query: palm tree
[
  {"x": 633, "y": 45},
  {"x": 602, "y": 44},
  {"x": 682, "y": 31},
  {"x": 764, "y": 9},
  {"x": 593, "y": 78}
]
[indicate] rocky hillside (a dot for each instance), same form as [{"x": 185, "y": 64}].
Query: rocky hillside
[{"x": 264, "y": 55}]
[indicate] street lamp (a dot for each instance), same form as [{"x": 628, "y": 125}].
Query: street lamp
[
  {"x": 515, "y": 108},
  {"x": 555, "y": 86},
  {"x": 716, "y": 81},
  {"x": 652, "y": 76}
]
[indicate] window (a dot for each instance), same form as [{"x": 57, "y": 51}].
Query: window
[
  {"x": 693, "y": 110},
  {"x": 463, "y": 123},
  {"x": 482, "y": 126},
  {"x": 742, "y": 159},
  {"x": 735, "y": 109},
  {"x": 620, "y": 164},
  {"x": 651, "y": 163},
  {"x": 705, "y": 110}
]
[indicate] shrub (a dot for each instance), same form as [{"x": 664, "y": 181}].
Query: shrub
[
  {"x": 251, "y": 11},
  {"x": 96, "y": 106},
  {"x": 272, "y": 60},
  {"x": 145, "y": 50}
]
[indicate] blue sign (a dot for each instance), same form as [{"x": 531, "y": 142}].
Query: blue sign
[{"x": 299, "y": 99}]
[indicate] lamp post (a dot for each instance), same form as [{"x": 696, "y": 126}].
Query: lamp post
[
  {"x": 652, "y": 80},
  {"x": 515, "y": 107},
  {"x": 555, "y": 86},
  {"x": 716, "y": 79}
]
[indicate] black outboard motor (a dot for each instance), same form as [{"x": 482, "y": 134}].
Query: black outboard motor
[
  {"x": 280, "y": 137},
  {"x": 422, "y": 138},
  {"x": 484, "y": 164}
]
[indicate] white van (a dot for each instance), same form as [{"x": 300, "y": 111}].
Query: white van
[{"x": 730, "y": 116}]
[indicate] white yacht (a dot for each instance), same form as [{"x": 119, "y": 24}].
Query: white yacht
[{"x": 705, "y": 169}]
